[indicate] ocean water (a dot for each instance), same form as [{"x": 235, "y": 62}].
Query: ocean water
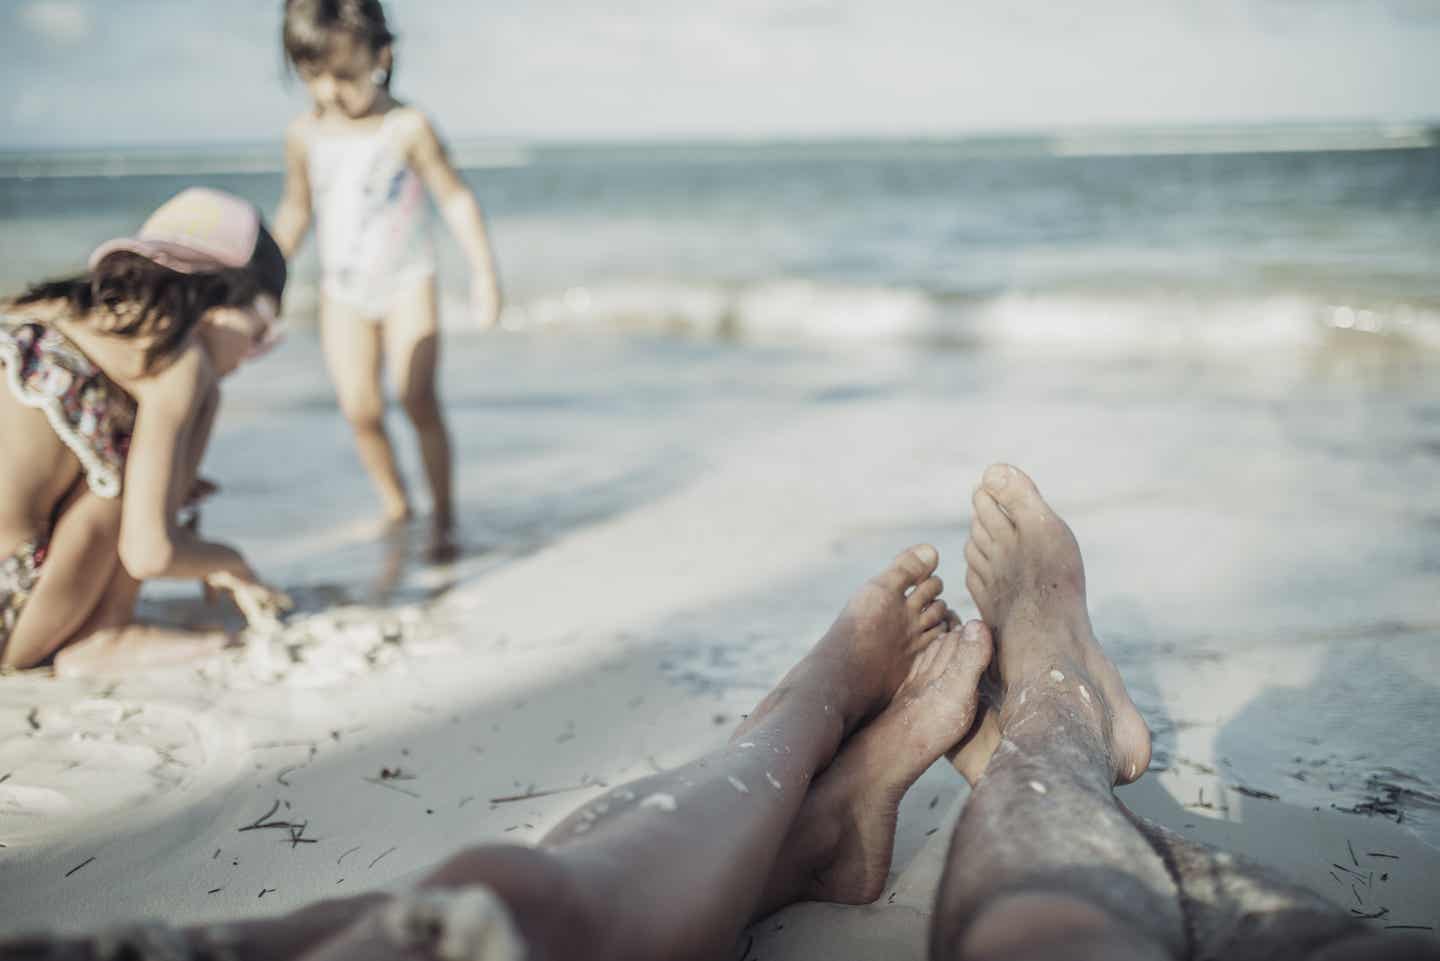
[
  {"x": 1225, "y": 367},
  {"x": 952, "y": 243}
]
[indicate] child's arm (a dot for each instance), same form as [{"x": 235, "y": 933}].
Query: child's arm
[
  {"x": 157, "y": 475},
  {"x": 462, "y": 213},
  {"x": 292, "y": 220}
]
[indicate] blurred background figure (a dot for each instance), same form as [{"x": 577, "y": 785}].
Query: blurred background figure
[{"x": 361, "y": 160}]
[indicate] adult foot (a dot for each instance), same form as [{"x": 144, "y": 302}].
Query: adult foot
[
  {"x": 1027, "y": 578},
  {"x": 973, "y": 753},
  {"x": 866, "y": 653},
  {"x": 840, "y": 845}
]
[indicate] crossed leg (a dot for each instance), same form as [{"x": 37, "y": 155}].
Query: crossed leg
[
  {"x": 801, "y": 804},
  {"x": 1046, "y": 863},
  {"x": 772, "y": 818}
]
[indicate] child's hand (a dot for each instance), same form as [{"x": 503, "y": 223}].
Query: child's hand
[
  {"x": 262, "y": 605},
  {"x": 202, "y": 490}
]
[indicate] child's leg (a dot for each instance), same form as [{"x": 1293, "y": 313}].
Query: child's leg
[
  {"x": 111, "y": 641},
  {"x": 81, "y": 557},
  {"x": 412, "y": 344},
  {"x": 353, "y": 355}
]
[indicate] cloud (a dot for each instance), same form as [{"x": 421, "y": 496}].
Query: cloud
[{"x": 61, "y": 22}]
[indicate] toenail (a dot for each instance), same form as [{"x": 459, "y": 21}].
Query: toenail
[{"x": 1038, "y": 788}]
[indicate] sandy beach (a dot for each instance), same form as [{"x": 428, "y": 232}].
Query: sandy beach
[{"x": 682, "y": 520}]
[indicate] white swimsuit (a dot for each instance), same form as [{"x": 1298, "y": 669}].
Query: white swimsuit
[{"x": 372, "y": 221}]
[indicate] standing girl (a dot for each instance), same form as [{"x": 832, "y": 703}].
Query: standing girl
[{"x": 358, "y": 161}]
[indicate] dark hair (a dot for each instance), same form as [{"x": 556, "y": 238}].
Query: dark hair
[
  {"x": 146, "y": 299},
  {"x": 310, "y": 28}
]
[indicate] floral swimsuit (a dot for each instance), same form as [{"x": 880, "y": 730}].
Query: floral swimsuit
[{"x": 89, "y": 413}]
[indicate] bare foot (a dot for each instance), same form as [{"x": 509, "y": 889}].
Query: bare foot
[
  {"x": 839, "y": 848},
  {"x": 1027, "y": 578},
  {"x": 137, "y": 647},
  {"x": 443, "y": 546},
  {"x": 972, "y": 754},
  {"x": 867, "y": 652},
  {"x": 395, "y": 511}
]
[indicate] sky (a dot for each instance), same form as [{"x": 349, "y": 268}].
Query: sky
[{"x": 106, "y": 73}]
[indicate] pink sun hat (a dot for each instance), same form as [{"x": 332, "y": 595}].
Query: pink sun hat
[{"x": 201, "y": 230}]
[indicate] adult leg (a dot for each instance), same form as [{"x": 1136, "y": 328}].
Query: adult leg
[
  {"x": 692, "y": 848},
  {"x": 412, "y": 343},
  {"x": 1045, "y": 863},
  {"x": 1237, "y": 910},
  {"x": 353, "y": 355},
  {"x": 837, "y": 849}
]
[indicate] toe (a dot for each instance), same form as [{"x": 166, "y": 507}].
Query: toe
[
  {"x": 1013, "y": 490},
  {"x": 983, "y": 539},
  {"x": 976, "y": 560},
  {"x": 934, "y": 613},
  {"x": 975, "y": 584},
  {"x": 990, "y": 521},
  {"x": 928, "y": 590},
  {"x": 946, "y": 649},
  {"x": 976, "y": 649},
  {"x": 933, "y": 634},
  {"x": 910, "y": 567},
  {"x": 923, "y": 661}
]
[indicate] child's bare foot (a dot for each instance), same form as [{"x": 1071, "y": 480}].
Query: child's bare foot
[
  {"x": 137, "y": 647},
  {"x": 840, "y": 845},
  {"x": 443, "y": 546},
  {"x": 1027, "y": 578},
  {"x": 866, "y": 653}
]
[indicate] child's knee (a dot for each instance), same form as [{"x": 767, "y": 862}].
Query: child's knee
[
  {"x": 365, "y": 414},
  {"x": 421, "y": 406}
]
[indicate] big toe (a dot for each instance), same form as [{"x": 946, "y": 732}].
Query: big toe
[
  {"x": 1015, "y": 492},
  {"x": 910, "y": 567},
  {"x": 972, "y": 654}
]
